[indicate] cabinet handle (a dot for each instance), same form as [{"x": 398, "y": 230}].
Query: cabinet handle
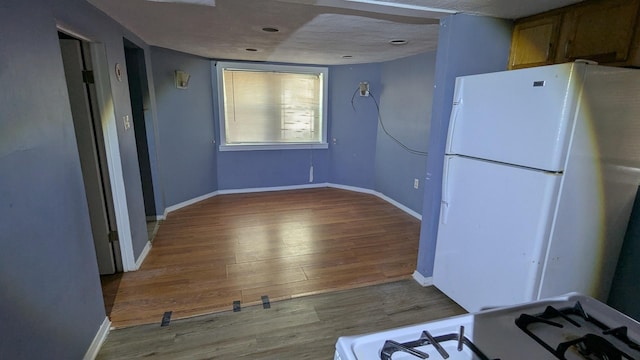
[{"x": 567, "y": 45}]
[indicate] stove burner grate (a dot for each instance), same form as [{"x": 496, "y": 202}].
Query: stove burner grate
[
  {"x": 391, "y": 346},
  {"x": 590, "y": 346}
]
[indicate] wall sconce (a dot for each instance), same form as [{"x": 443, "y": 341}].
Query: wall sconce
[{"x": 182, "y": 79}]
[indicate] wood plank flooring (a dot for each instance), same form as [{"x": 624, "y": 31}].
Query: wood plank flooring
[
  {"x": 301, "y": 328},
  {"x": 282, "y": 244}
]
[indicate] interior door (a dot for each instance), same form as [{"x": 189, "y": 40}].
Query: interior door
[
  {"x": 494, "y": 225},
  {"x": 86, "y": 140}
]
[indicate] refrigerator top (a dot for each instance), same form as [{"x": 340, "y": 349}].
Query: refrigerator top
[{"x": 520, "y": 117}]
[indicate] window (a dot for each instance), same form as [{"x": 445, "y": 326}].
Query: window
[{"x": 264, "y": 107}]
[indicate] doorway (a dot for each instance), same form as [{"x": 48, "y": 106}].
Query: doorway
[
  {"x": 78, "y": 69},
  {"x": 143, "y": 128}
]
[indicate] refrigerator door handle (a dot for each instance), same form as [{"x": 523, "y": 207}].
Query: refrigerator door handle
[
  {"x": 444, "y": 212},
  {"x": 455, "y": 110},
  {"x": 444, "y": 203}
]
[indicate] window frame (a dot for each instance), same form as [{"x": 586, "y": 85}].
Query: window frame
[{"x": 220, "y": 66}]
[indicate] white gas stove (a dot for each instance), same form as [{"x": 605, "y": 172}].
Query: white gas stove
[{"x": 568, "y": 327}]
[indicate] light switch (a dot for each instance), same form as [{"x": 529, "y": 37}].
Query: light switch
[{"x": 127, "y": 122}]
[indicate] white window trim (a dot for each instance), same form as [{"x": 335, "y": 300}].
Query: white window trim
[{"x": 219, "y": 68}]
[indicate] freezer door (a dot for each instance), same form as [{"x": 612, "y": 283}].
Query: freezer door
[
  {"x": 522, "y": 117},
  {"x": 494, "y": 225}
]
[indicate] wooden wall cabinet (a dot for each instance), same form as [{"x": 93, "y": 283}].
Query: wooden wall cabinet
[
  {"x": 601, "y": 31},
  {"x": 534, "y": 41},
  {"x": 605, "y": 31}
]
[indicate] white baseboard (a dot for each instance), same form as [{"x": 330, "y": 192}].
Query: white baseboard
[
  {"x": 155, "y": 217},
  {"x": 143, "y": 255},
  {"x": 420, "y": 279},
  {"x": 380, "y": 195},
  {"x": 293, "y": 187},
  {"x": 399, "y": 206},
  {"x": 98, "y": 340},
  {"x": 273, "y": 188},
  {"x": 352, "y": 188},
  {"x": 189, "y": 202}
]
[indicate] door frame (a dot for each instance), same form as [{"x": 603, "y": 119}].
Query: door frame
[
  {"x": 106, "y": 112},
  {"x": 142, "y": 126}
]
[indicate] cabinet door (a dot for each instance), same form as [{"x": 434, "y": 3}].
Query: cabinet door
[
  {"x": 600, "y": 31},
  {"x": 534, "y": 42}
]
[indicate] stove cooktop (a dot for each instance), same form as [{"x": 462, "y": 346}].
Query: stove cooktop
[
  {"x": 567, "y": 327},
  {"x": 452, "y": 345},
  {"x": 573, "y": 333}
]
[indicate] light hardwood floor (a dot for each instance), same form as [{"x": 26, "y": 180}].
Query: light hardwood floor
[
  {"x": 296, "y": 329},
  {"x": 282, "y": 244}
]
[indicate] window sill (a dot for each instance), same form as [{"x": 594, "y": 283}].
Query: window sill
[{"x": 293, "y": 146}]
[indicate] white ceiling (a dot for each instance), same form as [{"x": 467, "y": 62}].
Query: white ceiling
[{"x": 325, "y": 32}]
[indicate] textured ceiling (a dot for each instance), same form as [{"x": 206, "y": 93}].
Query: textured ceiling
[{"x": 323, "y": 32}]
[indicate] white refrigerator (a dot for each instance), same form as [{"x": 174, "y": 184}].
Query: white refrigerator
[{"x": 541, "y": 170}]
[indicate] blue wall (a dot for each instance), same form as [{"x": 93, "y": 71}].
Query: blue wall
[
  {"x": 353, "y": 127},
  {"x": 353, "y": 133},
  {"x": 405, "y": 108},
  {"x": 188, "y": 164},
  {"x": 466, "y": 45},
  {"x": 359, "y": 154},
  {"x": 270, "y": 168},
  {"x": 191, "y": 165},
  {"x": 51, "y": 303}
]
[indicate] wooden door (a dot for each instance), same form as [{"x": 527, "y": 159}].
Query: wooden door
[{"x": 87, "y": 141}]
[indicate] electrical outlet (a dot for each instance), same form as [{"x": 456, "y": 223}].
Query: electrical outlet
[
  {"x": 416, "y": 183},
  {"x": 127, "y": 122}
]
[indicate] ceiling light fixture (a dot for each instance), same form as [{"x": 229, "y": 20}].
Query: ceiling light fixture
[
  {"x": 270, "y": 29},
  {"x": 347, "y": 56},
  {"x": 251, "y": 49},
  {"x": 398, "y": 42}
]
